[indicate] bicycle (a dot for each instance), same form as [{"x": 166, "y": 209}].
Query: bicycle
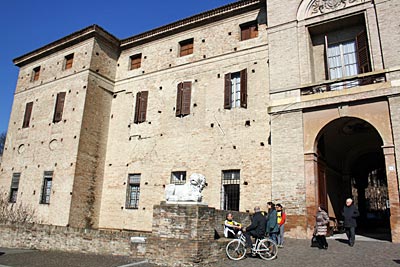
[{"x": 265, "y": 248}]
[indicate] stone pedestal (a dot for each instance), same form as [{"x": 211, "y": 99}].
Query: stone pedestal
[{"x": 182, "y": 235}]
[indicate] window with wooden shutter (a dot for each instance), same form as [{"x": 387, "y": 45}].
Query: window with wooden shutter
[
  {"x": 363, "y": 53},
  {"x": 186, "y": 47},
  {"x": 59, "y": 108},
  {"x": 27, "y": 115},
  {"x": 141, "y": 106},
  {"x": 35, "y": 74},
  {"x": 136, "y": 61},
  {"x": 243, "y": 88},
  {"x": 249, "y": 30},
  {"x": 227, "y": 91},
  {"x": 183, "y": 99},
  {"x": 68, "y": 61},
  {"x": 14, "y": 187},
  {"x": 235, "y": 92}
]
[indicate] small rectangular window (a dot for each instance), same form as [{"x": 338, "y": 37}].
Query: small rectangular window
[
  {"x": 69, "y": 59},
  {"x": 186, "y": 47},
  {"x": 14, "y": 187},
  {"x": 59, "y": 108},
  {"x": 133, "y": 191},
  {"x": 46, "y": 189},
  {"x": 35, "y": 74},
  {"x": 249, "y": 30},
  {"x": 230, "y": 190},
  {"x": 178, "y": 177},
  {"x": 27, "y": 115},
  {"x": 183, "y": 98},
  {"x": 236, "y": 90},
  {"x": 136, "y": 61},
  {"x": 141, "y": 107}
]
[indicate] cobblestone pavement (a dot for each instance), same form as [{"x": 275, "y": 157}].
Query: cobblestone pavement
[{"x": 295, "y": 253}]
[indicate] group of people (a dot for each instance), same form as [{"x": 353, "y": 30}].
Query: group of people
[
  {"x": 349, "y": 213},
  {"x": 272, "y": 224},
  {"x": 262, "y": 224}
]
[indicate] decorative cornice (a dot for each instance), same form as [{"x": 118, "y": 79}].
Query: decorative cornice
[{"x": 324, "y": 6}]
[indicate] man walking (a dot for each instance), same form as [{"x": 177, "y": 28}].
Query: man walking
[{"x": 350, "y": 213}]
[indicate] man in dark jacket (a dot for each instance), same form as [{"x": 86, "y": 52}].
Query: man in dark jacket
[
  {"x": 256, "y": 228},
  {"x": 350, "y": 213}
]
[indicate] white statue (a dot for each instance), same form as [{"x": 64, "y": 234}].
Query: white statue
[{"x": 191, "y": 191}]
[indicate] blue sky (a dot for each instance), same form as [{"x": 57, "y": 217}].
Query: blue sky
[{"x": 27, "y": 25}]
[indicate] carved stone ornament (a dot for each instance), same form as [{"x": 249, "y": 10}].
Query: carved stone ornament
[
  {"x": 189, "y": 192},
  {"x": 323, "y": 6}
]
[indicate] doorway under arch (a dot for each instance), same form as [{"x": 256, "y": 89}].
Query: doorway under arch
[{"x": 351, "y": 163}]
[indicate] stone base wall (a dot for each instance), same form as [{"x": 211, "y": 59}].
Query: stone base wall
[{"x": 48, "y": 237}]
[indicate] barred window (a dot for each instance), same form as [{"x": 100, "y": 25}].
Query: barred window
[
  {"x": 230, "y": 190},
  {"x": 133, "y": 191},
  {"x": 14, "y": 187},
  {"x": 46, "y": 189},
  {"x": 178, "y": 177}
]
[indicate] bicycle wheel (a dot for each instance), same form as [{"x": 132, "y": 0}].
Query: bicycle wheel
[
  {"x": 235, "y": 250},
  {"x": 267, "y": 249}
]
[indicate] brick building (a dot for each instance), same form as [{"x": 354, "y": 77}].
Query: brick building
[{"x": 291, "y": 101}]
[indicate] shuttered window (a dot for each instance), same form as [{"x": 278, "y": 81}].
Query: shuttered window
[
  {"x": 68, "y": 61},
  {"x": 46, "y": 188},
  {"x": 183, "y": 99},
  {"x": 186, "y": 47},
  {"x": 141, "y": 107},
  {"x": 363, "y": 53},
  {"x": 136, "y": 61},
  {"x": 14, "y": 187},
  {"x": 235, "y": 90},
  {"x": 133, "y": 191},
  {"x": 230, "y": 190},
  {"x": 249, "y": 30},
  {"x": 35, "y": 74},
  {"x": 27, "y": 115},
  {"x": 58, "y": 110}
]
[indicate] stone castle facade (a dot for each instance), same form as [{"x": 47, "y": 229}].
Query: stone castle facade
[{"x": 271, "y": 100}]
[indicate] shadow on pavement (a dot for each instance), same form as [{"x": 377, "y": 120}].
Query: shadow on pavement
[{"x": 397, "y": 261}]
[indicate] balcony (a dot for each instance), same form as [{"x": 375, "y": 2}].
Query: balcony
[{"x": 344, "y": 83}]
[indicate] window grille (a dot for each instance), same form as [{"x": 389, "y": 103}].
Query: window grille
[
  {"x": 14, "y": 187},
  {"x": 230, "y": 195},
  {"x": 46, "y": 190},
  {"x": 178, "y": 177},
  {"x": 133, "y": 191}
]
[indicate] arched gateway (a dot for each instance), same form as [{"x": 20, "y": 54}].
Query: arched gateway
[
  {"x": 349, "y": 153},
  {"x": 351, "y": 163}
]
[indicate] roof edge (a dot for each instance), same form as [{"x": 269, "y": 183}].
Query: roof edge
[
  {"x": 217, "y": 12},
  {"x": 76, "y": 37}
]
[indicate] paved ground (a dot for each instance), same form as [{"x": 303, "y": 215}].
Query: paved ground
[{"x": 295, "y": 253}]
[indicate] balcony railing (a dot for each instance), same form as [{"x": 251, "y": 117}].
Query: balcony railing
[{"x": 344, "y": 83}]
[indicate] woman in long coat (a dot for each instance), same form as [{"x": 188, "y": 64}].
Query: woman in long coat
[{"x": 321, "y": 227}]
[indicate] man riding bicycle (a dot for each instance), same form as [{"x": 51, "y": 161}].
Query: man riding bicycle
[{"x": 257, "y": 227}]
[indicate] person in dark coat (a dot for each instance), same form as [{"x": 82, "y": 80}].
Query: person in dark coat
[
  {"x": 272, "y": 222},
  {"x": 256, "y": 229},
  {"x": 350, "y": 213},
  {"x": 321, "y": 227}
]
